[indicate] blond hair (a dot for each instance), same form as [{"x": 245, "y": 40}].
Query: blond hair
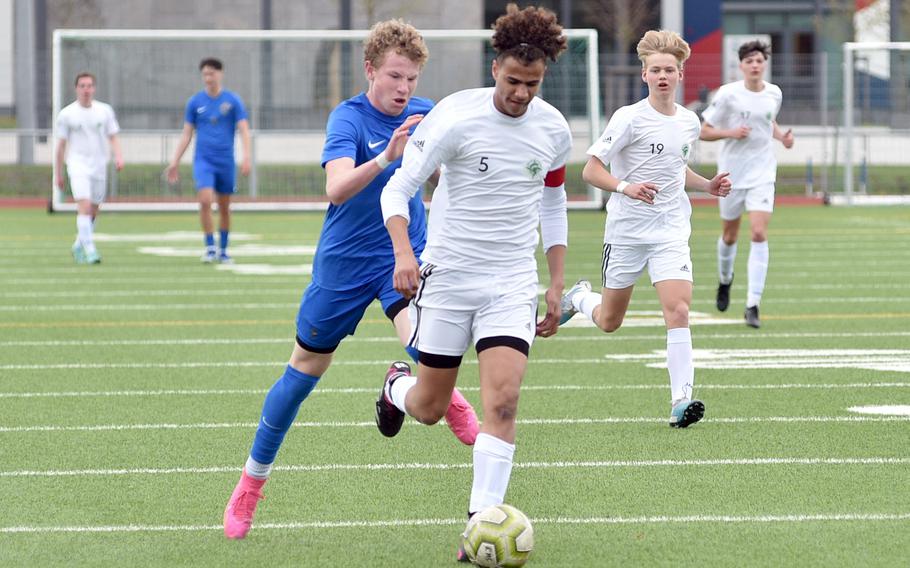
[
  {"x": 395, "y": 35},
  {"x": 663, "y": 41}
]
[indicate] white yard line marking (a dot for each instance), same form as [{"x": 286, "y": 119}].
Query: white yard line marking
[
  {"x": 528, "y": 422},
  {"x": 372, "y": 390},
  {"x": 887, "y": 410},
  {"x": 460, "y": 466},
  {"x": 222, "y": 364},
  {"x": 562, "y": 337},
  {"x": 392, "y": 523},
  {"x": 296, "y": 290}
]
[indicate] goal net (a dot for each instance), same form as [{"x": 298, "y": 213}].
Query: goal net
[
  {"x": 876, "y": 137},
  {"x": 289, "y": 81}
]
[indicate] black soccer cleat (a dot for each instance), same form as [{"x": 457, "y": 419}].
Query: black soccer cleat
[
  {"x": 388, "y": 418},
  {"x": 723, "y": 295},
  {"x": 751, "y": 316}
]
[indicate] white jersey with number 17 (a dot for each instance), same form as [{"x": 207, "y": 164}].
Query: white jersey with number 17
[
  {"x": 643, "y": 145},
  {"x": 493, "y": 169}
]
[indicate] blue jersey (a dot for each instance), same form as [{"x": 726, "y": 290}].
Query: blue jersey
[
  {"x": 215, "y": 120},
  {"x": 354, "y": 247}
]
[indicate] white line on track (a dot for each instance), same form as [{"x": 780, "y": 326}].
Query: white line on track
[
  {"x": 44, "y": 307},
  {"x": 372, "y": 390},
  {"x": 392, "y": 523},
  {"x": 222, "y": 364},
  {"x": 562, "y": 337},
  {"x": 460, "y": 466},
  {"x": 528, "y": 422}
]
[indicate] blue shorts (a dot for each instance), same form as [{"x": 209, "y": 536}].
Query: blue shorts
[
  {"x": 220, "y": 176},
  {"x": 328, "y": 316}
]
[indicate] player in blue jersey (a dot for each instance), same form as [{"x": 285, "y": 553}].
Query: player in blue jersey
[
  {"x": 214, "y": 114},
  {"x": 365, "y": 138}
]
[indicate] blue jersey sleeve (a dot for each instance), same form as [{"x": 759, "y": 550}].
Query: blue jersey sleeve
[
  {"x": 189, "y": 114},
  {"x": 341, "y": 137},
  {"x": 239, "y": 109}
]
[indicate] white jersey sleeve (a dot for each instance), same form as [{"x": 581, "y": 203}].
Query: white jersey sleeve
[
  {"x": 716, "y": 113},
  {"x": 616, "y": 137},
  {"x": 112, "y": 126},
  {"x": 428, "y": 147}
]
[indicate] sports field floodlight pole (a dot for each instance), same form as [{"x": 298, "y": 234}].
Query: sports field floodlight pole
[{"x": 849, "y": 51}]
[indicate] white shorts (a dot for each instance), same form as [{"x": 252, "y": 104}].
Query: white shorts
[
  {"x": 86, "y": 187},
  {"x": 453, "y": 307},
  {"x": 760, "y": 198},
  {"x": 623, "y": 264}
]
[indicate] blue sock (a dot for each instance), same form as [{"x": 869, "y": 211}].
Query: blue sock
[
  {"x": 224, "y": 240},
  {"x": 278, "y": 412},
  {"x": 412, "y": 351},
  {"x": 209, "y": 241}
]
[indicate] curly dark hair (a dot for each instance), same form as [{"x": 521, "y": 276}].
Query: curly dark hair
[
  {"x": 528, "y": 35},
  {"x": 753, "y": 46}
]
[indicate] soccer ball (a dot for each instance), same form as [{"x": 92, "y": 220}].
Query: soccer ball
[{"x": 500, "y": 536}]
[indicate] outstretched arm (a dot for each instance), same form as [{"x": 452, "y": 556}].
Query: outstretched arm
[
  {"x": 597, "y": 175},
  {"x": 344, "y": 180},
  {"x": 719, "y": 185}
]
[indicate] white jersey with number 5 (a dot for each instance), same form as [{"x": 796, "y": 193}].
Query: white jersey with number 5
[
  {"x": 643, "y": 145},
  {"x": 487, "y": 210},
  {"x": 749, "y": 160}
]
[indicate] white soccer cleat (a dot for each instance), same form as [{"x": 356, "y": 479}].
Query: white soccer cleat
[{"x": 568, "y": 308}]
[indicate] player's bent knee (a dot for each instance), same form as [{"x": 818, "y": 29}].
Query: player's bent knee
[{"x": 609, "y": 325}]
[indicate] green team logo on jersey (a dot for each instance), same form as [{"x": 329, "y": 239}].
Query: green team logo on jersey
[
  {"x": 685, "y": 151},
  {"x": 768, "y": 116},
  {"x": 534, "y": 168}
]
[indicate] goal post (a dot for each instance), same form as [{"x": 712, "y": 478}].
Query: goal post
[
  {"x": 876, "y": 119},
  {"x": 289, "y": 81}
]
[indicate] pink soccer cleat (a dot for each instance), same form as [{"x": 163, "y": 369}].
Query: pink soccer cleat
[
  {"x": 462, "y": 419},
  {"x": 238, "y": 515}
]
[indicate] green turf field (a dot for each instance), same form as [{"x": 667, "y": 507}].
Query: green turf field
[{"x": 130, "y": 393}]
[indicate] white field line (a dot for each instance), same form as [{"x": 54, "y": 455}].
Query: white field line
[
  {"x": 792, "y": 277},
  {"x": 223, "y": 364},
  {"x": 167, "y": 292},
  {"x": 44, "y": 307},
  {"x": 526, "y": 422},
  {"x": 355, "y": 339},
  {"x": 152, "y": 293},
  {"x": 372, "y": 390},
  {"x": 393, "y": 523},
  {"x": 460, "y": 466}
]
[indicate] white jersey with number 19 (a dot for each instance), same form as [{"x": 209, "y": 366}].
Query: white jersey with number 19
[
  {"x": 643, "y": 145},
  {"x": 487, "y": 210}
]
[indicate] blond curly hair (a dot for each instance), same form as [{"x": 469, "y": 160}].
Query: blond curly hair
[
  {"x": 663, "y": 41},
  {"x": 395, "y": 35}
]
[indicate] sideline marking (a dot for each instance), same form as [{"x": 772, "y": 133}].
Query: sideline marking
[
  {"x": 457, "y": 466},
  {"x": 391, "y": 523},
  {"x": 529, "y": 422},
  {"x": 892, "y": 410}
]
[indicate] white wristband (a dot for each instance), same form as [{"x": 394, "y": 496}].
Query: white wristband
[
  {"x": 382, "y": 161},
  {"x": 622, "y": 185}
]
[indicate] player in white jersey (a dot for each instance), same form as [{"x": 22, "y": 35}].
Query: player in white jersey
[
  {"x": 503, "y": 154},
  {"x": 743, "y": 115},
  {"x": 86, "y": 132},
  {"x": 647, "y": 146}
]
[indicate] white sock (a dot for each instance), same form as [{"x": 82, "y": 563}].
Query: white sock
[
  {"x": 679, "y": 362},
  {"x": 399, "y": 390},
  {"x": 84, "y": 227},
  {"x": 585, "y": 303},
  {"x": 258, "y": 470},
  {"x": 492, "y": 469},
  {"x": 758, "y": 271},
  {"x": 726, "y": 256}
]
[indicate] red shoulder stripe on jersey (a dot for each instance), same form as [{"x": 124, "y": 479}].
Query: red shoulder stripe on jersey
[{"x": 555, "y": 178}]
